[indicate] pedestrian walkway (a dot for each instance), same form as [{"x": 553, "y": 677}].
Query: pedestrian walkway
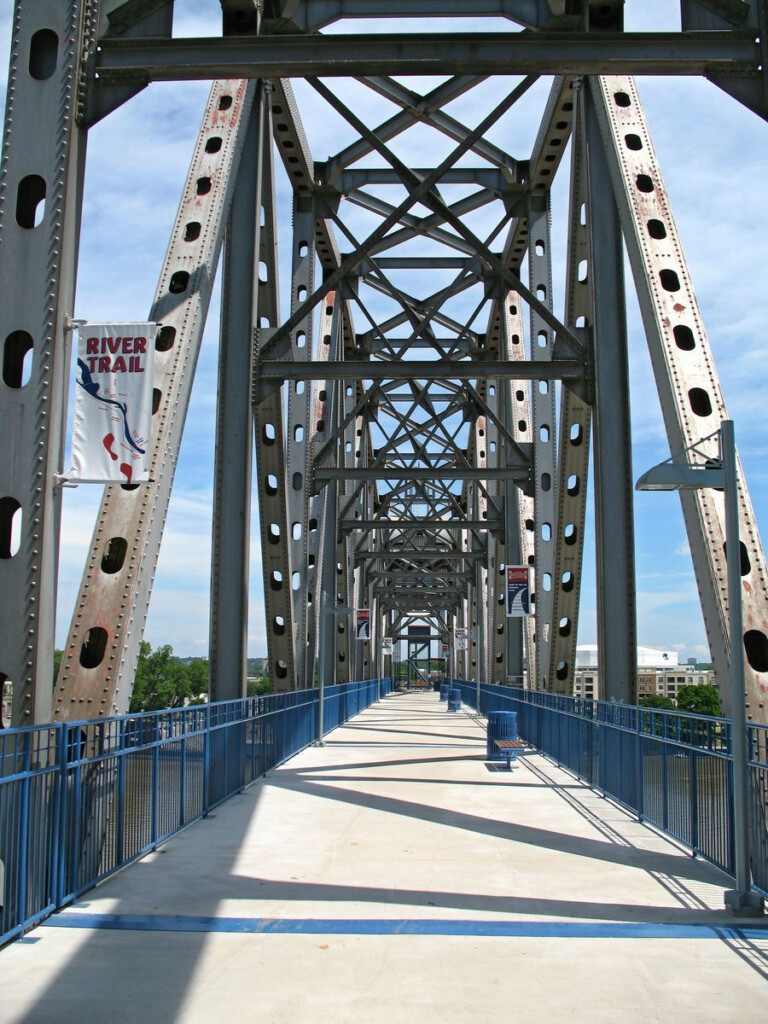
[{"x": 394, "y": 875}]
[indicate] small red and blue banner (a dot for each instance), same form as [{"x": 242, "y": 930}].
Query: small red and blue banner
[{"x": 363, "y": 624}]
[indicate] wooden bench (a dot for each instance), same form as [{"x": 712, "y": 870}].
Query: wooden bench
[{"x": 508, "y": 748}]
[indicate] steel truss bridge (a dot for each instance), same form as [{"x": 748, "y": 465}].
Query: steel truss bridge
[{"x": 422, "y": 417}]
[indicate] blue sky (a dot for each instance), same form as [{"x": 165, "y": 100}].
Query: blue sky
[{"x": 714, "y": 156}]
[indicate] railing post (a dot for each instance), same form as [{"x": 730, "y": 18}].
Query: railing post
[
  {"x": 23, "y": 831},
  {"x": 60, "y": 845},
  {"x": 207, "y": 760},
  {"x": 183, "y": 770},
  {"x": 155, "y": 774},
  {"x": 77, "y": 846},
  {"x": 694, "y": 802},
  {"x": 640, "y": 771},
  {"x": 600, "y": 754},
  {"x": 263, "y": 737},
  {"x": 119, "y": 838}
]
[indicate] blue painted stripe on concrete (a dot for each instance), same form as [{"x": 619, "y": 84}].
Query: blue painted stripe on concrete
[{"x": 400, "y": 926}]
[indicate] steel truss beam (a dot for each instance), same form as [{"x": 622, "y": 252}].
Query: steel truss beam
[
  {"x": 574, "y": 445},
  {"x": 380, "y": 483},
  {"x": 413, "y": 369},
  {"x": 734, "y": 53},
  {"x": 689, "y": 390},
  {"x": 97, "y": 671},
  {"x": 42, "y": 176},
  {"x": 614, "y": 505},
  {"x": 230, "y": 562},
  {"x": 311, "y": 15},
  {"x": 272, "y": 489}
]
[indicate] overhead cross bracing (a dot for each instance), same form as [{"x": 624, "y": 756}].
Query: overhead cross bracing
[{"x": 412, "y": 435}]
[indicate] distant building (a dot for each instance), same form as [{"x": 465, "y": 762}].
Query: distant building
[
  {"x": 659, "y": 673},
  {"x": 662, "y": 682},
  {"x": 647, "y": 657},
  {"x": 666, "y": 683}
]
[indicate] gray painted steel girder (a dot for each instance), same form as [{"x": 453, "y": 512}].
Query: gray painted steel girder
[
  {"x": 513, "y": 53},
  {"x": 326, "y": 473},
  {"x": 43, "y": 146},
  {"x": 314, "y": 14},
  {"x": 424, "y": 369}
]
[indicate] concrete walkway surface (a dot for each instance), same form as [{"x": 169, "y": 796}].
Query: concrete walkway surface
[{"x": 394, "y": 875}]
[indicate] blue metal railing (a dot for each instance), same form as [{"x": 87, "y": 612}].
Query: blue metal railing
[
  {"x": 672, "y": 769},
  {"x": 78, "y": 800}
]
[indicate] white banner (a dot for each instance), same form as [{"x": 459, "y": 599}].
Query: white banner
[
  {"x": 460, "y": 640},
  {"x": 387, "y": 646},
  {"x": 113, "y": 403},
  {"x": 518, "y": 591}
]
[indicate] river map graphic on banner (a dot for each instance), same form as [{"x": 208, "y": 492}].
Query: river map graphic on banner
[{"x": 113, "y": 403}]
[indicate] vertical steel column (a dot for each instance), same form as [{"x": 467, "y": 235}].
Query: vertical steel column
[
  {"x": 614, "y": 518},
  {"x": 741, "y": 900},
  {"x": 377, "y": 632},
  {"x": 496, "y": 541},
  {"x": 234, "y": 448},
  {"x": 315, "y": 427},
  {"x": 269, "y": 434},
  {"x": 481, "y": 606},
  {"x": 515, "y": 629},
  {"x": 40, "y": 207},
  {"x": 351, "y": 579},
  {"x": 325, "y": 429},
  {"x": 361, "y": 590},
  {"x": 345, "y": 593},
  {"x": 461, "y": 658},
  {"x": 370, "y": 657},
  {"x": 575, "y": 435},
  {"x": 326, "y": 655},
  {"x": 543, "y": 406},
  {"x": 472, "y": 617},
  {"x": 480, "y": 512},
  {"x": 299, "y": 412},
  {"x": 519, "y": 507}
]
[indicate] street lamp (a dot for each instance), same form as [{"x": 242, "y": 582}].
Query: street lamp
[{"x": 677, "y": 474}]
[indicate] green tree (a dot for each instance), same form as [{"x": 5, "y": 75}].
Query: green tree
[
  {"x": 656, "y": 700},
  {"x": 699, "y": 700},
  {"x": 197, "y": 672},
  {"x": 161, "y": 682},
  {"x": 259, "y": 687}
]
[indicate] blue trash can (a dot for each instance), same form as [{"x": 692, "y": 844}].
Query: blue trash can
[
  {"x": 444, "y": 691},
  {"x": 454, "y": 700},
  {"x": 502, "y": 725}
]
